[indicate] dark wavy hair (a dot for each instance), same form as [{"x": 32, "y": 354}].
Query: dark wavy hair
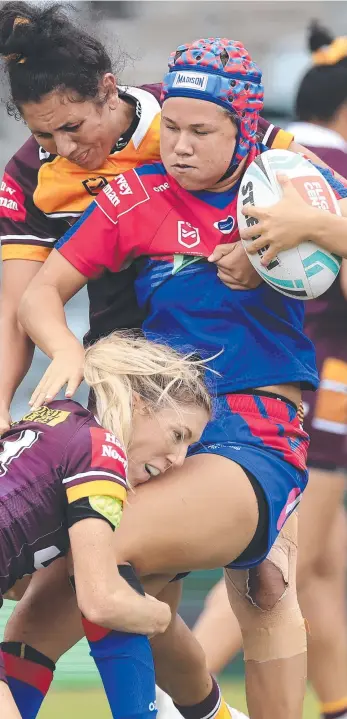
[
  {"x": 45, "y": 51},
  {"x": 324, "y": 87}
]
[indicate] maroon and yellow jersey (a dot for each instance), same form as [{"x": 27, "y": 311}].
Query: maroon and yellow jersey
[
  {"x": 42, "y": 194},
  {"x": 51, "y": 459}
]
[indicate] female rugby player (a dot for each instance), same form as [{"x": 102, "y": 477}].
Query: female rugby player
[
  {"x": 321, "y": 110},
  {"x": 255, "y": 448},
  {"x": 63, "y": 470}
]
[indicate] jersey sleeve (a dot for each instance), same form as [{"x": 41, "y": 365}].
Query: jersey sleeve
[
  {"x": 91, "y": 245},
  {"x": 272, "y": 136},
  {"x": 105, "y": 237},
  {"x": 94, "y": 465},
  {"x": 25, "y": 232},
  {"x": 338, "y": 185}
]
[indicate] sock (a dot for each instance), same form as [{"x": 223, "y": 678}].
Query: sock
[
  {"x": 126, "y": 667},
  {"x": 125, "y": 664},
  {"x": 213, "y": 707},
  {"x": 29, "y": 674},
  {"x": 334, "y": 710}
]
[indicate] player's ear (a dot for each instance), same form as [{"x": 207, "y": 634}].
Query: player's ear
[{"x": 139, "y": 404}]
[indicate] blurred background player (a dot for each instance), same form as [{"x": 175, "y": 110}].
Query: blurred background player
[{"x": 321, "y": 110}]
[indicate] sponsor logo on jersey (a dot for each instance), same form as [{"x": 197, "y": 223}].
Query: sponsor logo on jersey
[
  {"x": 112, "y": 195},
  {"x": 11, "y": 199},
  {"x": 188, "y": 236},
  {"x": 46, "y": 415},
  {"x": 9, "y": 204},
  {"x": 161, "y": 188},
  {"x": 124, "y": 187},
  {"x": 225, "y": 226},
  {"x": 13, "y": 448},
  {"x": 107, "y": 452},
  {"x": 127, "y": 191},
  {"x": 198, "y": 80},
  {"x": 5, "y": 188},
  {"x": 93, "y": 185}
]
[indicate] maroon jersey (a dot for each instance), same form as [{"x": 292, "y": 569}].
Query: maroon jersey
[
  {"x": 51, "y": 459},
  {"x": 325, "y": 324},
  {"x": 327, "y": 315}
]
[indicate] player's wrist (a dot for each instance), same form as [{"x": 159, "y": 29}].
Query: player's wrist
[{"x": 321, "y": 227}]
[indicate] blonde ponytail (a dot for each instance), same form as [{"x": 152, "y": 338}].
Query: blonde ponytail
[{"x": 122, "y": 364}]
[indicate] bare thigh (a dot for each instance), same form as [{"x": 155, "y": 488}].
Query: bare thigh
[
  {"x": 318, "y": 511},
  {"x": 200, "y": 516}
]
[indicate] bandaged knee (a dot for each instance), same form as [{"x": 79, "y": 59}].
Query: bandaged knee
[{"x": 265, "y": 602}]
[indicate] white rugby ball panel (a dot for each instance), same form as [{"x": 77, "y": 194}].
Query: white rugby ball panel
[{"x": 304, "y": 272}]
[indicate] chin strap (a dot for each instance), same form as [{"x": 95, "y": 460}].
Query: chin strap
[{"x": 233, "y": 165}]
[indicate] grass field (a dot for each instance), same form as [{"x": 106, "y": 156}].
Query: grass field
[{"x": 92, "y": 704}]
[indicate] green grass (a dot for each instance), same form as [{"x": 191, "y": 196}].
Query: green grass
[{"x": 91, "y": 704}]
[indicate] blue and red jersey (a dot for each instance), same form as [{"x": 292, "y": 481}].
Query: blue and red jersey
[{"x": 146, "y": 219}]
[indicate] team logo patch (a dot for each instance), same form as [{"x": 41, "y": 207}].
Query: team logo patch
[
  {"x": 107, "y": 452},
  {"x": 46, "y": 415},
  {"x": 94, "y": 185},
  {"x": 196, "y": 80},
  {"x": 225, "y": 226},
  {"x": 188, "y": 236},
  {"x": 13, "y": 448}
]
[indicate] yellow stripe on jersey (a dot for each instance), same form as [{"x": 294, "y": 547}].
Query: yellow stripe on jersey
[
  {"x": 95, "y": 488},
  {"x": 35, "y": 253},
  {"x": 282, "y": 140}
]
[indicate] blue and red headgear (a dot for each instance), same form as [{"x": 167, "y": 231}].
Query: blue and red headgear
[{"x": 220, "y": 71}]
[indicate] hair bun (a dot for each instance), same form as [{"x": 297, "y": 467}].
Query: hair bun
[{"x": 30, "y": 31}]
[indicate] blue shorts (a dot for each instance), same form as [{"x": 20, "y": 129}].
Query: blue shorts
[{"x": 264, "y": 436}]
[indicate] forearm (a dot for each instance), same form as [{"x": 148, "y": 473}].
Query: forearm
[
  {"x": 41, "y": 313},
  {"x": 329, "y": 231},
  {"x": 16, "y": 354}
]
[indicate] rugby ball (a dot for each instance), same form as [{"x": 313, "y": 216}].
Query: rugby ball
[{"x": 306, "y": 271}]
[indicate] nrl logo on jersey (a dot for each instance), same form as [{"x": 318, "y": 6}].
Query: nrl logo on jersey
[{"x": 188, "y": 236}]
